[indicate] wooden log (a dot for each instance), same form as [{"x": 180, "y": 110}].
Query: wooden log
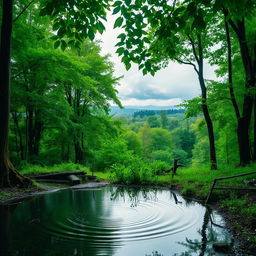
[
  {"x": 73, "y": 180},
  {"x": 53, "y": 181}
]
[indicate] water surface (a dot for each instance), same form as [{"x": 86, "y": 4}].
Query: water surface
[{"x": 109, "y": 221}]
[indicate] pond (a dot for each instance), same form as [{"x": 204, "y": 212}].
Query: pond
[{"x": 110, "y": 221}]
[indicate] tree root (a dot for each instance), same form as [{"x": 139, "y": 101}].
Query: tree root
[{"x": 10, "y": 177}]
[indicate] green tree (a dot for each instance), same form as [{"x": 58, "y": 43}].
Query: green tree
[
  {"x": 153, "y": 122},
  {"x": 164, "y": 119}
]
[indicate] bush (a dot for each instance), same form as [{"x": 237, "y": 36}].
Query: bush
[
  {"x": 112, "y": 152},
  {"x": 162, "y": 155},
  {"x": 158, "y": 167},
  {"x": 137, "y": 172}
]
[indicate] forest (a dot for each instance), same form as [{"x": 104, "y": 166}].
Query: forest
[
  {"x": 61, "y": 86},
  {"x": 57, "y": 89}
]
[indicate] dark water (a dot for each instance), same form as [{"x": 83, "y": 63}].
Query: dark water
[{"x": 109, "y": 221}]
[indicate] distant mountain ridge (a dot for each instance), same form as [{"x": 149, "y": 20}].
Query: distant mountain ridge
[{"x": 130, "y": 110}]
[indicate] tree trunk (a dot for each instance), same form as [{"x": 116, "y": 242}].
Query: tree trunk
[
  {"x": 19, "y": 134},
  {"x": 35, "y": 129},
  {"x": 79, "y": 155},
  {"x": 249, "y": 71},
  {"x": 254, "y": 130},
  {"x": 209, "y": 124},
  {"x": 200, "y": 72},
  {"x": 8, "y": 175},
  {"x": 243, "y": 134}
]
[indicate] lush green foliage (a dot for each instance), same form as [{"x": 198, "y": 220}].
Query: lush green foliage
[{"x": 33, "y": 169}]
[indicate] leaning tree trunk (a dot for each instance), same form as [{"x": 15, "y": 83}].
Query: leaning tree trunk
[{"x": 8, "y": 175}]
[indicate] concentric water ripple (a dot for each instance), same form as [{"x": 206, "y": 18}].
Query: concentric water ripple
[{"x": 117, "y": 221}]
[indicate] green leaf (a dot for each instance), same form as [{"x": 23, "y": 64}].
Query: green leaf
[
  {"x": 55, "y": 26},
  {"x": 61, "y": 32},
  {"x": 118, "y": 22},
  {"x": 116, "y": 10},
  {"x": 128, "y": 2},
  {"x": 120, "y": 44},
  {"x": 101, "y": 27},
  {"x": 128, "y": 66},
  {"x": 148, "y": 65},
  {"x": 91, "y": 34},
  {"x": 54, "y": 37},
  {"x": 56, "y": 44},
  {"x": 71, "y": 42},
  {"x": 63, "y": 45},
  {"x": 122, "y": 36},
  {"x": 120, "y": 51},
  {"x": 117, "y": 3}
]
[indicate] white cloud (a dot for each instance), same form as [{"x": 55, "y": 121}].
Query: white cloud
[{"x": 172, "y": 84}]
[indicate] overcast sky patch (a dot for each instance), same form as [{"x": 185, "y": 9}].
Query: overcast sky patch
[{"x": 170, "y": 85}]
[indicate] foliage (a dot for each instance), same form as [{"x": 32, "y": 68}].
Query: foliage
[
  {"x": 32, "y": 169},
  {"x": 135, "y": 173}
]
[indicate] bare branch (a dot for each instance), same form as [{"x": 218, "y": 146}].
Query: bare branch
[{"x": 187, "y": 63}]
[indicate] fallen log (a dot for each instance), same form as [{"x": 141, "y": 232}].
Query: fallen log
[
  {"x": 53, "y": 181},
  {"x": 56, "y": 175}
]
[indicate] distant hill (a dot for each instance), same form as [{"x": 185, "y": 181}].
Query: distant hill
[
  {"x": 143, "y": 113},
  {"x": 130, "y": 110}
]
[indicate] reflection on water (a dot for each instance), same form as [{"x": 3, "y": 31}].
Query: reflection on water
[{"x": 109, "y": 221}]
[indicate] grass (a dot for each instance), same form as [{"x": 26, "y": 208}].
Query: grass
[
  {"x": 34, "y": 169},
  {"x": 196, "y": 181}
]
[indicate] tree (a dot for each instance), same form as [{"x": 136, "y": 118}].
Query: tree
[
  {"x": 153, "y": 122},
  {"x": 164, "y": 119},
  {"x": 8, "y": 175}
]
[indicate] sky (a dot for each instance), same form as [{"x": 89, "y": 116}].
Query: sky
[{"x": 169, "y": 86}]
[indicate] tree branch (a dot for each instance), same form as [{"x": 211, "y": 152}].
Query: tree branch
[
  {"x": 187, "y": 63},
  {"x": 23, "y": 10},
  {"x": 193, "y": 48}
]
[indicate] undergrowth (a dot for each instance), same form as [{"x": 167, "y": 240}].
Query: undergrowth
[{"x": 33, "y": 169}]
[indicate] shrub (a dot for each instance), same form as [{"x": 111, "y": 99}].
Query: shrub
[
  {"x": 162, "y": 155},
  {"x": 158, "y": 167},
  {"x": 137, "y": 172}
]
